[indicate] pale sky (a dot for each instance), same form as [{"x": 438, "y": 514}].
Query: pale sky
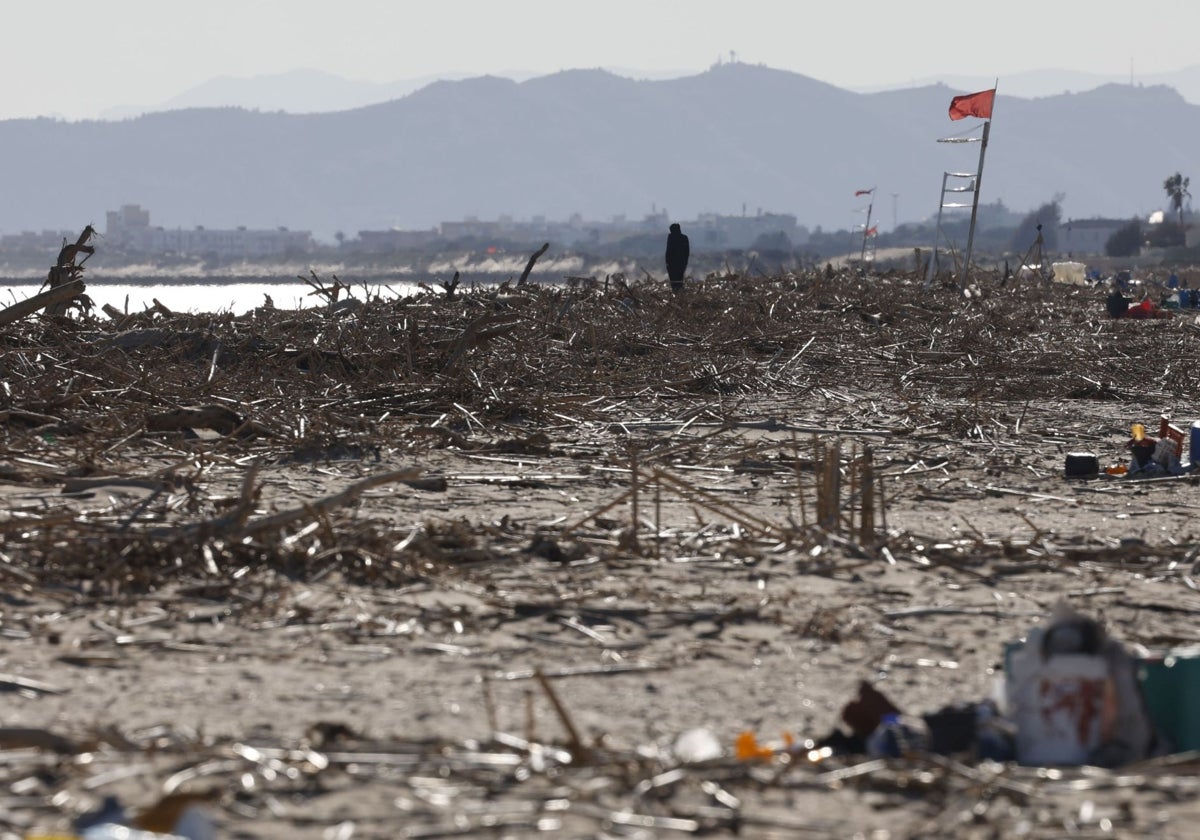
[{"x": 76, "y": 58}]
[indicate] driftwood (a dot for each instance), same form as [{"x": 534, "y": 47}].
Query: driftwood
[
  {"x": 479, "y": 331},
  {"x": 65, "y": 270},
  {"x": 529, "y": 265},
  {"x": 68, "y": 253},
  {"x": 83, "y": 485},
  {"x": 701, "y": 389},
  {"x": 139, "y": 339},
  {"x": 237, "y": 523},
  {"x": 218, "y": 418},
  {"x": 49, "y": 299},
  {"x": 328, "y": 503},
  {"x": 451, "y": 286},
  {"x": 136, "y": 339},
  {"x": 24, "y": 738},
  {"x": 331, "y": 294}
]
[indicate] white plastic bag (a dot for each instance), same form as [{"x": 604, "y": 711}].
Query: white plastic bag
[{"x": 1072, "y": 694}]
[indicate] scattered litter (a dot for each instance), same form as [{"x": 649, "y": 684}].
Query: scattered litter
[
  {"x": 174, "y": 817},
  {"x": 956, "y": 385},
  {"x": 1071, "y": 696},
  {"x": 1074, "y": 697},
  {"x": 1170, "y": 683},
  {"x": 1082, "y": 465},
  {"x": 697, "y": 745},
  {"x": 748, "y": 748},
  {"x": 1149, "y": 457}
]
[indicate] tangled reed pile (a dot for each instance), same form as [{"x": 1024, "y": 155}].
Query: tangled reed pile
[
  {"x": 94, "y": 397},
  {"x": 193, "y": 411}
]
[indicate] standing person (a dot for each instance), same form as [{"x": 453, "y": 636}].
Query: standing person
[{"x": 678, "y": 250}]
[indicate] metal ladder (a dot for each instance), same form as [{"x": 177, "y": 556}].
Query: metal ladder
[{"x": 952, "y": 185}]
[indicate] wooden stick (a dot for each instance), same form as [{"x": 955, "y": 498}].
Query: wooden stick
[
  {"x": 235, "y": 525},
  {"x": 866, "y": 521},
  {"x": 633, "y": 493},
  {"x": 573, "y": 739},
  {"x": 799, "y": 483},
  {"x": 854, "y": 476},
  {"x": 530, "y": 717},
  {"x": 483, "y": 328},
  {"x": 532, "y": 260},
  {"x": 657, "y": 518},
  {"x": 489, "y": 704},
  {"x": 50, "y": 297},
  {"x": 818, "y": 479},
  {"x": 882, "y": 506},
  {"x": 706, "y": 500},
  {"x": 579, "y": 524}
]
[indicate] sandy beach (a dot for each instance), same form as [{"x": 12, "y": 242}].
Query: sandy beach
[{"x": 472, "y": 567}]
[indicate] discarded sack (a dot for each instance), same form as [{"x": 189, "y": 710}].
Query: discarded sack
[{"x": 1074, "y": 697}]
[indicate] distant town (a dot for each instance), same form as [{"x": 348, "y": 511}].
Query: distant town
[
  {"x": 130, "y": 230},
  {"x": 129, "y": 234}
]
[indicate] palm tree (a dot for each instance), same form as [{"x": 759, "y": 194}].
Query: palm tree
[{"x": 1177, "y": 190}]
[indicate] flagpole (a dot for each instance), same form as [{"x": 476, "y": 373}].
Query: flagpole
[{"x": 987, "y": 126}]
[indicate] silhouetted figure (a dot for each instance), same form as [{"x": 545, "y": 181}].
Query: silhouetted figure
[
  {"x": 1117, "y": 304},
  {"x": 678, "y": 251}
]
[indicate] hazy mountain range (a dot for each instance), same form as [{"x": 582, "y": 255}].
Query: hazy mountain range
[
  {"x": 1033, "y": 84},
  {"x": 309, "y": 92},
  {"x": 598, "y": 144},
  {"x": 315, "y": 91}
]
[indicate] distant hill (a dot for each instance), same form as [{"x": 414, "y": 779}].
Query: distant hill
[
  {"x": 296, "y": 92},
  {"x": 591, "y": 142},
  {"x": 313, "y": 91},
  {"x": 1034, "y": 84}
]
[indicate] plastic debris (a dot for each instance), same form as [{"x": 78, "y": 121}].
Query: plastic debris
[
  {"x": 748, "y": 748},
  {"x": 697, "y": 745},
  {"x": 1074, "y": 697},
  {"x": 179, "y": 816}
]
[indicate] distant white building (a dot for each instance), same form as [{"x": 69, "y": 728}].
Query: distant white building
[
  {"x": 714, "y": 232},
  {"x": 129, "y": 228},
  {"x": 1087, "y": 237},
  {"x": 385, "y": 241}
]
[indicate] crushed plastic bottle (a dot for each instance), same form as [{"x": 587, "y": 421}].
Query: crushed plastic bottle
[
  {"x": 896, "y": 736},
  {"x": 113, "y": 831},
  {"x": 111, "y": 822}
]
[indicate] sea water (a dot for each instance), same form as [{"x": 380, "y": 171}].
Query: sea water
[{"x": 213, "y": 297}]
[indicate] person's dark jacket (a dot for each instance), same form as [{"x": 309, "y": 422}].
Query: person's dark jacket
[
  {"x": 1117, "y": 304},
  {"x": 678, "y": 251}
]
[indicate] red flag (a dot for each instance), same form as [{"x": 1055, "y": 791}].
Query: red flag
[
  {"x": 857, "y": 193},
  {"x": 872, "y": 231},
  {"x": 973, "y": 105}
]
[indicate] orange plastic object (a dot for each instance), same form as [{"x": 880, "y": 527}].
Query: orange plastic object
[{"x": 747, "y": 748}]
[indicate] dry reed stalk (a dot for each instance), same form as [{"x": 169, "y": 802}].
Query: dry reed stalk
[
  {"x": 634, "y": 483},
  {"x": 866, "y": 522},
  {"x": 706, "y": 500},
  {"x": 830, "y": 501},
  {"x": 658, "y": 532},
  {"x": 799, "y": 482},
  {"x": 853, "y": 475},
  {"x": 564, "y": 717}
]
